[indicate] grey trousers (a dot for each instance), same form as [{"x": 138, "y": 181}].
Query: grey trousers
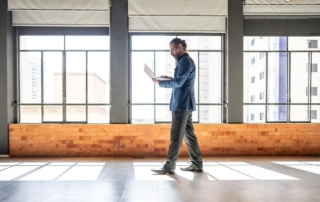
[{"x": 182, "y": 128}]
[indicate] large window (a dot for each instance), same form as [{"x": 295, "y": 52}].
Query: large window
[
  {"x": 290, "y": 87},
  {"x": 150, "y": 103},
  {"x": 64, "y": 79}
]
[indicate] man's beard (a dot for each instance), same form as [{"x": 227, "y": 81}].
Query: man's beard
[{"x": 178, "y": 55}]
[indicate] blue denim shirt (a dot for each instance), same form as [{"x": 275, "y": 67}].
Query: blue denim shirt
[{"x": 182, "y": 97}]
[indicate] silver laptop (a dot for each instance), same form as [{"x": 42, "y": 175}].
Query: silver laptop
[{"x": 150, "y": 73}]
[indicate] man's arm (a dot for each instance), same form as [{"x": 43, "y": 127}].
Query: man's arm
[{"x": 182, "y": 75}]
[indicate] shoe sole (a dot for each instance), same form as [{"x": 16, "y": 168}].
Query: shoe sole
[
  {"x": 194, "y": 170},
  {"x": 162, "y": 173}
]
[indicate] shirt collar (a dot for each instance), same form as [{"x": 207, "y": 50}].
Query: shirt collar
[{"x": 182, "y": 56}]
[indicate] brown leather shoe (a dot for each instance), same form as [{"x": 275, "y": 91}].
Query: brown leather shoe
[{"x": 162, "y": 171}]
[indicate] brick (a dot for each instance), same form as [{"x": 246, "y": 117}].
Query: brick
[
  {"x": 306, "y": 129},
  {"x": 153, "y": 140}
]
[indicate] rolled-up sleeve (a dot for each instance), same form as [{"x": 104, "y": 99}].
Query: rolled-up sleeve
[{"x": 183, "y": 72}]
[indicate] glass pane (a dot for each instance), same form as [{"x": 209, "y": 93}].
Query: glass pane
[
  {"x": 30, "y": 77},
  {"x": 277, "y": 77},
  {"x": 276, "y": 113},
  {"x": 98, "y": 77},
  {"x": 87, "y": 43},
  {"x": 210, "y": 114},
  {"x": 254, "y": 114},
  {"x": 142, "y": 85},
  {"x": 202, "y": 42},
  {"x": 253, "y": 43},
  {"x": 299, "y": 78},
  {"x": 315, "y": 76},
  {"x": 30, "y": 114},
  {"x": 143, "y": 114},
  {"x": 98, "y": 114},
  {"x": 52, "y": 73},
  {"x": 163, "y": 114},
  {"x": 254, "y": 83},
  {"x": 165, "y": 65},
  {"x": 304, "y": 43},
  {"x": 76, "y": 113},
  {"x": 210, "y": 77},
  {"x": 41, "y": 43},
  {"x": 76, "y": 77},
  {"x": 195, "y": 115},
  {"x": 315, "y": 114},
  {"x": 299, "y": 113},
  {"x": 151, "y": 42},
  {"x": 52, "y": 113},
  {"x": 194, "y": 56}
]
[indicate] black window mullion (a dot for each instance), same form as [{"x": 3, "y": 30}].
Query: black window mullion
[
  {"x": 86, "y": 86},
  {"x": 289, "y": 87},
  {"x": 288, "y": 80},
  {"x": 42, "y": 100},
  {"x": 266, "y": 82},
  {"x": 18, "y": 86},
  {"x": 222, "y": 93},
  {"x": 64, "y": 80},
  {"x": 64, "y": 86},
  {"x": 154, "y": 88},
  {"x": 310, "y": 83},
  {"x": 198, "y": 75}
]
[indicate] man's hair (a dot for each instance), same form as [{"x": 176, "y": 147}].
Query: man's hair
[{"x": 177, "y": 41}]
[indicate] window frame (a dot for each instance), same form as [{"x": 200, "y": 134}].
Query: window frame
[
  {"x": 223, "y": 73},
  {"x": 288, "y": 103},
  {"x": 59, "y": 31}
]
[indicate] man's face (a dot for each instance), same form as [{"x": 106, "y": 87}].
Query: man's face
[{"x": 175, "y": 51}]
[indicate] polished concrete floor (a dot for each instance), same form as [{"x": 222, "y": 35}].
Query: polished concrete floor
[{"x": 229, "y": 179}]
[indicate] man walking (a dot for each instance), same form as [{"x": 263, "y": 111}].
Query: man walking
[{"x": 182, "y": 105}]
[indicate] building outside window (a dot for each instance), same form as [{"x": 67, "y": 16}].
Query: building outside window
[
  {"x": 253, "y": 60},
  {"x": 314, "y": 114},
  {"x": 253, "y": 79},
  {"x": 314, "y": 91},
  {"x": 252, "y": 98},
  {"x": 252, "y": 117},
  {"x": 253, "y": 41},
  {"x": 283, "y": 61},
  {"x": 261, "y": 116},
  {"x": 64, "y": 79},
  {"x": 151, "y": 105},
  {"x": 314, "y": 67},
  {"x": 312, "y": 43}
]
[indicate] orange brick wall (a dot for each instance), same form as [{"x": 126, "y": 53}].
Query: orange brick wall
[{"x": 64, "y": 140}]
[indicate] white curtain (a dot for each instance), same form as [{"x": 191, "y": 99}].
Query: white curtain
[
  {"x": 281, "y": 10},
  {"x": 283, "y": 2},
  {"x": 202, "y": 16},
  {"x": 203, "y": 24},
  {"x": 60, "y": 12}
]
